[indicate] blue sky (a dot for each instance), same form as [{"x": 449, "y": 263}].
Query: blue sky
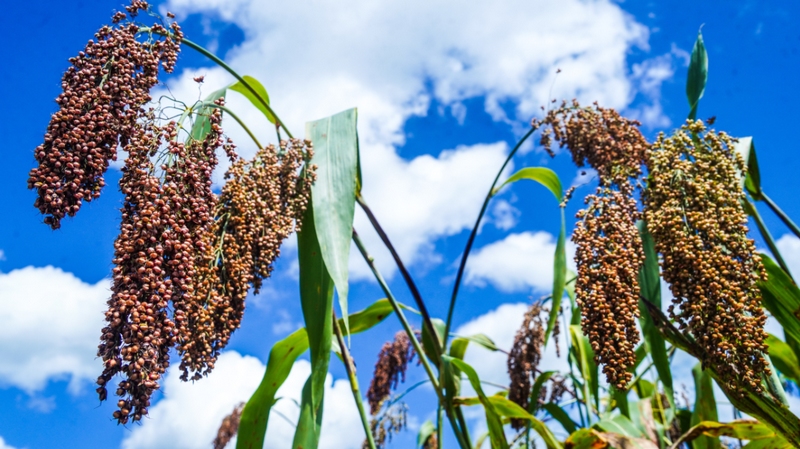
[{"x": 443, "y": 92}]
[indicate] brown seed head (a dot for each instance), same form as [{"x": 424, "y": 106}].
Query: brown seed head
[
  {"x": 693, "y": 206},
  {"x": 523, "y": 359},
  {"x": 104, "y": 93},
  {"x": 228, "y": 428},
  {"x": 389, "y": 370}
]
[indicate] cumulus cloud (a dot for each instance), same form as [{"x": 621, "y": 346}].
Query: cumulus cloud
[
  {"x": 789, "y": 246},
  {"x": 391, "y": 61},
  {"x": 4, "y": 445},
  {"x": 49, "y": 327},
  {"x": 520, "y": 262},
  {"x": 190, "y": 413}
]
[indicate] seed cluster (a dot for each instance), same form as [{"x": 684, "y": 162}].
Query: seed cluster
[
  {"x": 182, "y": 246},
  {"x": 693, "y": 207},
  {"x": 229, "y": 428},
  {"x": 609, "y": 250},
  {"x": 524, "y": 357},
  {"x": 103, "y": 94},
  {"x": 389, "y": 370}
]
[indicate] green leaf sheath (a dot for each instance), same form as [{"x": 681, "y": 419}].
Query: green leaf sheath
[
  {"x": 697, "y": 76},
  {"x": 650, "y": 286},
  {"x": 542, "y": 175},
  {"x": 316, "y": 297},
  {"x": 333, "y": 194},
  {"x": 260, "y": 90}
]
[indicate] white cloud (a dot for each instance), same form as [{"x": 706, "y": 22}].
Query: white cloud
[
  {"x": 519, "y": 262},
  {"x": 3, "y": 444},
  {"x": 190, "y": 413},
  {"x": 392, "y": 60},
  {"x": 49, "y": 327},
  {"x": 789, "y": 246},
  {"x": 505, "y": 216}
]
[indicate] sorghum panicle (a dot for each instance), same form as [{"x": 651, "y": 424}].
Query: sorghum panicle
[
  {"x": 392, "y": 421},
  {"x": 389, "y": 370},
  {"x": 103, "y": 95},
  {"x": 524, "y": 357},
  {"x": 609, "y": 253},
  {"x": 229, "y": 428},
  {"x": 693, "y": 206}
]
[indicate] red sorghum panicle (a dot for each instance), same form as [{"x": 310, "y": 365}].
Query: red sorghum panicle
[
  {"x": 389, "y": 370},
  {"x": 104, "y": 92},
  {"x": 693, "y": 206},
  {"x": 609, "y": 253},
  {"x": 140, "y": 332},
  {"x": 229, "y": 428},
  {"x": 524, "y": 358},
  {"x": 262, "y": 203}
]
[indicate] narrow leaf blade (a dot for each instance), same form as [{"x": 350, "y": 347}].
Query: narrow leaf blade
[
  {"x": 259, "y": 88},
  {"x": 697, "y": 76}
]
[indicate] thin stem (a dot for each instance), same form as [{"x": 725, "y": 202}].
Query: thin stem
[
  {"x": 225, "y": 66},
  {"x": 411, "y": 335},
  {"x": 351, "y": 375},
  {"x": 423, "y": 310},
  {"x": 762, "y": 228},
  {"x": 474, "y": 233},
  {"x": 439, "y": 422},
  {"x": 781, "y": 214},
  {"x": 235, "y": 117}
]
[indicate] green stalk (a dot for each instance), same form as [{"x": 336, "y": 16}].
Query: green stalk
[
  {"x": 474, "y": 233},
  {"x": 762, "y": 228},
  {"x": 411, "y": 335},
  {"x": 351, "y": 375},
  {"x": 781, "y": 214},
  {"x": 225, "y": 66},
  {"x": 423, "y": 310}
]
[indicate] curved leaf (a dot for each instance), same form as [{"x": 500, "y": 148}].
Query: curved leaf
[
  {"x": 497, "y": 407},
  {"x": 282, "y": 356},
  {"x": 752, "y": 182},
  {"x": 259, "y": 88},
  {"x": 586, "y": 364},
  {"x": 781, "y": 297},
  {"x": 784, "y": 358},
  {"x": 561, "y": 416},
  {"x": 542, "y": 175},
  {"x": 744, "y": 429},
  {"x": 538, "y": 384},
  {"x": 705, "y": 406},
  {"x": 592, "y": 439},
  {"x": 698, "y": 75},
  {"x": 333, "y": 195}
]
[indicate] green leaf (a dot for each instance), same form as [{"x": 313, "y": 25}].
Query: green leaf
[
  {"x": 705, "y": 406},
  {"x": 282, "y": 356},
  {"x": 592, "y": 439},
  {"x": 202, "y": 125},
  {"x": 650, "y": 285},
  {"x": 784, "y": 358},
  {"x": 744, "y": 429},
  {"x": 561, "y": 416},
  {"x": 586, "y": 363},
  {"x": 333, "y": 195},
  {"x": 481, "y": 339},
  {"x": 481, "y": 440},
  {"x": 698, "y": 75},
  {"x": 542, "y": 175},
  {"x": 493, "y": 420},
  {"x": 781, "y": 297},
  {"x": 316, "y": 298},
  {"x": 559, "y": 277},
  {"x": 425, "y": 431},
  {"x": 262, "y": 92},
  {"x": 621, "y": 425},
  {"x": 746, "y": 147}
]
